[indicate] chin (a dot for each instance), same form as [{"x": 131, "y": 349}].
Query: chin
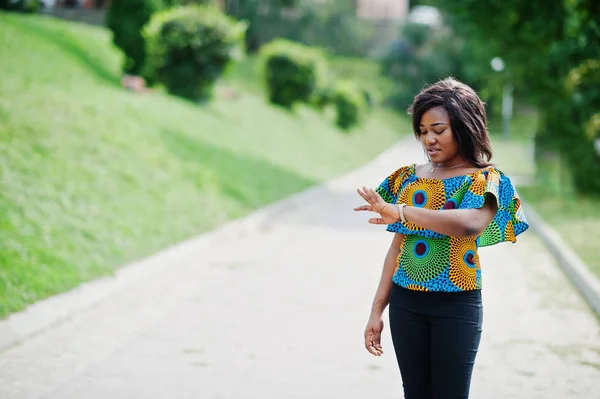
[{"x": 437, "y": 158}]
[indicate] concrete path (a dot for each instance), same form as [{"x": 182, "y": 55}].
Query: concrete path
[{"x": 279, "y": 313}]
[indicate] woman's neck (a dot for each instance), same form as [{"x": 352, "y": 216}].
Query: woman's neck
[{"x": 451, "y": 163}]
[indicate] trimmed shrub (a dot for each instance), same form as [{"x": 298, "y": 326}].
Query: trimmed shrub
[
  {"x": 293, "y": 72},
  {"x": 126, "y": 20},
  {"x": 189, "y": 47},
  {"x": 322, "y": 97},
  {"x": 349, "y": 102}
]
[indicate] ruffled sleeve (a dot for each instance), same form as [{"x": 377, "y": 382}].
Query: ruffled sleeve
[
  {"x": 510, "y": 220},
  {"x": 391, "y": 187}
]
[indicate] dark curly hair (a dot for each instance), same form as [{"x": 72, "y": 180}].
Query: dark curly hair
[{"x": 467, "y": 117}]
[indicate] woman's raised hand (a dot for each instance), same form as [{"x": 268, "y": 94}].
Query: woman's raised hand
[{"x": 389, "y": 213}]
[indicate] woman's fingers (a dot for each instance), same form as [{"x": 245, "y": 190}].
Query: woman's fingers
[
  {"x": 370, "y": 345},
  {"x": 367, "y": 195},
  {"x": 376, "y": 197},
  {"x": 373, "y": 351},
  {"x": 377, "y": 342},
  {"x": 373, "y": 348},
  {"x": 373, "y": 337},
  {"x": 378, "y": 350},
  {"x": 372, "y": 194},
  {"x": 362, "y": 194}
]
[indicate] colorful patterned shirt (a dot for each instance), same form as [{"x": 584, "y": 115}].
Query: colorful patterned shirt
[{"x": 430, "y": 261}]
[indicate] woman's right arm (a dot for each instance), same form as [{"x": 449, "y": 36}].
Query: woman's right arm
[{"x": 380, "y": 302}]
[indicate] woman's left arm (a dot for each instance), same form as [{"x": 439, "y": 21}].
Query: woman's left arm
[
  {"x": 454, "y": 222},
  {"x": 449, "y": 222}
]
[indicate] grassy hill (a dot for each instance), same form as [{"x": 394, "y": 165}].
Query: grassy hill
[{"x": 93, "y": 176}]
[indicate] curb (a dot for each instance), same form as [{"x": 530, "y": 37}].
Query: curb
[
  {"x": 54, "y": 310},
  {"x": 573, "y": 267}
]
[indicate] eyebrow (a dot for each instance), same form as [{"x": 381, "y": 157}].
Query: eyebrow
[{"x": 435, "y": 124}]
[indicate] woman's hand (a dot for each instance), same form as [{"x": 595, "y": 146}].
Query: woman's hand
[
  {"x": 389, "y": 213},
  {"x": 373, "y": 335}
]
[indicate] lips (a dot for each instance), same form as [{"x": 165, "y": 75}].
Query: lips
[{"x": 432, "y": 151}]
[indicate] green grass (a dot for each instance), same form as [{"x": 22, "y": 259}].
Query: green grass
[
  {"x": 576, "y": 218},
  {"x": 364, "y": 72},
  {"x": 94, "y": 176},
  {"x": 514, "y": 154}
]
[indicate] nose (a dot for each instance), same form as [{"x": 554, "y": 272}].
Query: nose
[{"x": 429, "y": 138}]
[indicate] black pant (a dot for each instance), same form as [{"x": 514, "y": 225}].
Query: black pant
[{"x": 436, "y": 336}]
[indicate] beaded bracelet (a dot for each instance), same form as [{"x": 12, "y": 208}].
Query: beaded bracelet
[{"x": 401, "y": 212}]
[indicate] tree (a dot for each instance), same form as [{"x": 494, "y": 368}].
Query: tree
[
  {"x": 544, "y": 44},
  {"x": 332, "y": 25},
  {"x": 426, "y": 53}
]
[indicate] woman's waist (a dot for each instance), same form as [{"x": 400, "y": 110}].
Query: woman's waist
[
  {"x": 444, "y": 250},
  {"x": 437, "y": 297}
]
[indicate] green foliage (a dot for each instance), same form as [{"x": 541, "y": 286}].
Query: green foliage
[
  {"x": 366, "y": 73},
  {"x": 575, "y": 218},
  {"x": 425, "y": 54},
  {"x": 174, "y": 3},
  {"x": 266, "y": 20},
  {"x": 362, "y": 71},
  {"x": 335, "y": 27},
  {"x": 322, "y": 97},
  {"x": 189, "y": 47},
  {"x": 292, "y": 72},
  {"x": 332, "y": 25},
  {"x": 126, "y": 20},
  {"x": 546, "y": 47},
  {"x": 583, "y": 84},
  {"x": 349, "y": 102},
  {"x": 26, "y": 6},
  {"x": 578, "y": 133},
  {"x": 95, "y": 177}
]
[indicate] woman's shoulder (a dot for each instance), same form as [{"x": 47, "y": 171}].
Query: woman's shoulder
[
  {"x": 421, "y": 169},
  {"x": 394, "y": 181},
  {"x": 401, "y": 173},
  {"x": 494, "y": 181},
  {"x": 494, "y": 174}
]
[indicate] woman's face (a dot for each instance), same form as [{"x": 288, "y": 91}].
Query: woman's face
[{"x": 437, "y": 137}]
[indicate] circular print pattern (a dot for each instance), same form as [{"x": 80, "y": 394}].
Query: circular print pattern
[
  {"x": 464, "y": 263},
  {"x": 419, "y": 198},
  {"x": 491, "y": 235},
  {"x": 424, "y": 194},
  {"x": 450, "y": 204},
  {"x": 424, "y": 258},
  {"x": 478, "y": 185}
]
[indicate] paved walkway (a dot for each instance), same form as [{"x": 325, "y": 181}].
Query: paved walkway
[{"x": 279, "y": 314}]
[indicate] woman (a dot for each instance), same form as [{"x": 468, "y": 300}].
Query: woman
[{"x": 440, "y": 212}]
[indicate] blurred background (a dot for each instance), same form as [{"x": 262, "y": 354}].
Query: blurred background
[{"x": 128, "y": 126}]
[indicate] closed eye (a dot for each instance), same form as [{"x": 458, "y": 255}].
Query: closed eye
[{"x": 440, "y": 132}]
